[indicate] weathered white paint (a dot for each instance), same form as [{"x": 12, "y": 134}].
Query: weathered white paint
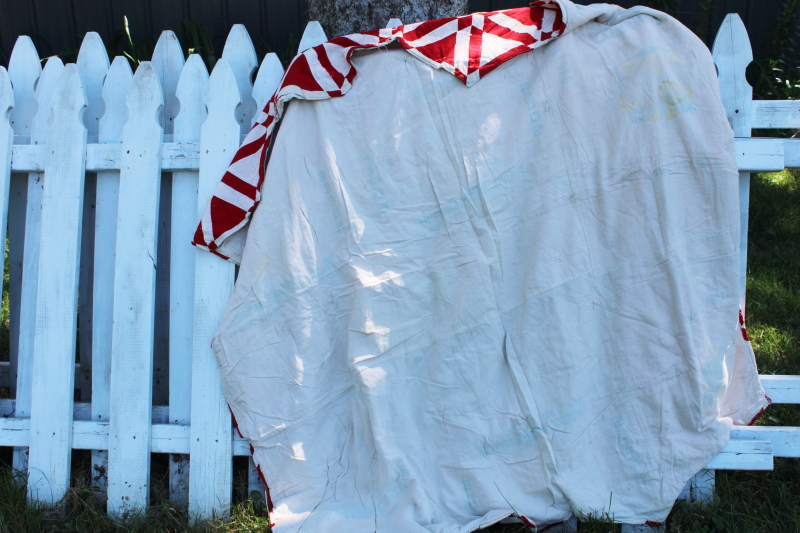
[
  {"x": 313, "y": 35},
  {"x": 760, "y": 155},
  {"x": 241, "y": 56},
  {"x": 26, "y": 66},
  {"x": 116, "y": 86},
  {"x": 134, "y": 297},
  {"x": 39, "y": 126},
  {"x": 745, "y": 452},
  {"x": 24, "y": 69},
  {"x": 791, "y": 153},
  {"x": 56, "y": 318},
  {"x": 782, "y": 389},
  {"x": 167, "y": 63},
  {"x": 83, "y": 411},
  {"x": 732, "y": 54},
  {"x": 267, "y": 81},
  {"x": 99, "y": 157},
  {"x": 211, "y": 463},
  {"x": 17, "y": 198},
  {"x": 775, "y": 114},
  {"x": 744, "y": 455},
  {"x": 191, "y": 94},
  {"x": 6, "y": 140},
  {"x": 763, "y": 155},
  {"x": 785, "y": 440},
  {"x": 93, "y": 66}
]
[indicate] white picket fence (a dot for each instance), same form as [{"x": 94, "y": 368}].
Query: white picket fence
[{"x": 103, "y": 171}]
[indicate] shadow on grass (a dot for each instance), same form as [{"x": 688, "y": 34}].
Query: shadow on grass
[{"x": 82, "y": 512}]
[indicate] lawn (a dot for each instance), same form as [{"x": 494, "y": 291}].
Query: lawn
[{"x": 745, "y": 502}]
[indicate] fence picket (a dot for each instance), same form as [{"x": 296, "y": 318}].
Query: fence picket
[
  {"x": 6, "y": 140},
  {"x": 267, "y": 81},
  {"x": 167, "y": 63},
  {"x": 313, "y": 35},
  {"x": 190, "y": 91},
  {"x": 24, "y": 70},
  {"x": 732, "y": 54},
  {"x": 39, "y": 126},
  {"x": 134, "y": 297},
  {"x": 211, "y": 438},
  {"x": 56, "y": 318},
  {"x": 16, "y": 238},
  {"x": 116, "y": 86},
  {"x": 241, "y": 56},
  {"x": 93, "y": 66}
]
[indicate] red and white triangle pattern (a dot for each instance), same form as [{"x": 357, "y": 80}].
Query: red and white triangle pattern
[{"x": 468, "y": 47}]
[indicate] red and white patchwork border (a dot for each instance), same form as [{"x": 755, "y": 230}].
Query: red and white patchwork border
[{"x": 468, "y": 47}]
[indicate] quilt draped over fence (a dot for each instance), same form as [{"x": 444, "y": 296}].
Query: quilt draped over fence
[
  {"x": 468, "y": 47},
  {"x": 457, "y": 304}
]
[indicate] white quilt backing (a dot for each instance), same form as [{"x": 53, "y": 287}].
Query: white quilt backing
[{"x": 519, "y": 298}]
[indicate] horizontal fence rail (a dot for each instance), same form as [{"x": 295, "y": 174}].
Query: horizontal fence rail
[{"x": 104, "y": 174}]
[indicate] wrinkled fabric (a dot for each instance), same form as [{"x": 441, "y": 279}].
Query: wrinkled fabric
[
  {"x": 457, "y": 304},
  {"x": 467, "y": 47}
]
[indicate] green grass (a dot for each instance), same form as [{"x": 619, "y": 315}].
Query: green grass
[{"x": 81, "y": 511}]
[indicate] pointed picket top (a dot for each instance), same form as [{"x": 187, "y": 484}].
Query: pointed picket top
[
  {"x": 221, "y": 96},
  {"x": 313, "y": 35},
  {"x": 24, "y": 68},
  {"x": 93, "y": 66},
  {"x": 167, "y": 63},
  {"x": 115, "y": 89},
  {"x": 210, "y": 432},
  {"x": 222, "y": 99},
  {"x": 732, "y": 54},
  {"x": 191, "y": 92},
  {"x": 269, "y": 77},
  {"x": 69, "y": 97},
  {"x": 241, "y": 56},
  {"x": 393, "y": 23},
  {"x": 6, "y": 131},
  {"x": 52, "y": 72},
  {"x": 6, "y": 140},
  {"x": 53, "y": 353},
  {"x": 145, "y": 97},
  {"x": 6, "y": 98}
]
